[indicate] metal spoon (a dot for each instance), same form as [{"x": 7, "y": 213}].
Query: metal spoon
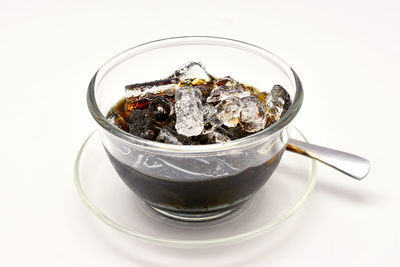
[{"x": 352, "y": 165}]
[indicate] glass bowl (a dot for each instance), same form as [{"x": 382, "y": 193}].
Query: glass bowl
[{"x": 198, "y": 182}]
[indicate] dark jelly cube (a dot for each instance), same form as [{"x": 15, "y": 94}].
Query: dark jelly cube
[
  {"x": 141, "y": 125},
  {"x": 160, "y": 110}
]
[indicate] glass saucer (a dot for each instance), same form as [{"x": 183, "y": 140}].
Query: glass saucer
[{"x": 110, "y": 200}]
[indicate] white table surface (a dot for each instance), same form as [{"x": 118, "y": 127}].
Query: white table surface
[{"x": 345, "y": 52}]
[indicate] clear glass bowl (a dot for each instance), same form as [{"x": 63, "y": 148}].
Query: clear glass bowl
[{"x": 203, "y": 182}]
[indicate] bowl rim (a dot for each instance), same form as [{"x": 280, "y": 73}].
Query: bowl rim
[{"x": 149, "y": 145}]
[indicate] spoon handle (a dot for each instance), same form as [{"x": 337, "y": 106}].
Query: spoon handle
[{"x": 352, "y": 165}]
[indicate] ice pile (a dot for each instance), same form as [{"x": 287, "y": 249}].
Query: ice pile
[{"x": 192, "y": 107}]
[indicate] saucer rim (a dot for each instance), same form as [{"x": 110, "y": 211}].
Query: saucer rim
[{"x": 170, "y": 242}]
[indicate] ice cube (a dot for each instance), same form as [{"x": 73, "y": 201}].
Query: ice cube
[
  {"x": 225, "y": 88},
  {"x": 226, "y": 81},
  {"x": 252, "y": 115},
  {"x": 192, "y": 72},
  {"x": 218, "y": 138},
  {"x": 278, "y": 102},
  {"x": 227, "y": 113},
  {"x": 208, "y": 111},
  {"x": 166, "y": 135},
  {"x": 139, "y": 90},
  {"x": 189, "y": 112}
]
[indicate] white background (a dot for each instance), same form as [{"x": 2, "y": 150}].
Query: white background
[{"x": 345, "y": 52}]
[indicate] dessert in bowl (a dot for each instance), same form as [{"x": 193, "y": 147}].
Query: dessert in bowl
[{"x": 183, "y": 180}]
